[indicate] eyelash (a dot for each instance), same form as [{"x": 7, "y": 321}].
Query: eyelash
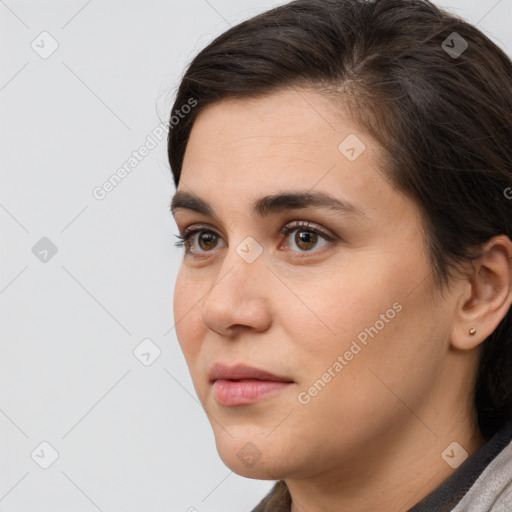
[{"x": 185, "y": 239}]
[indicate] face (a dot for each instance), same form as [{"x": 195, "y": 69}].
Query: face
[{"x": 344, "y": 307}]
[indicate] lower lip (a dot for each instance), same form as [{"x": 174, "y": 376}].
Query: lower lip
[{"x": 245, "y": 391}]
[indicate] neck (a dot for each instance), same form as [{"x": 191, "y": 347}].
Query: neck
[{"x": 389, "y": 474}]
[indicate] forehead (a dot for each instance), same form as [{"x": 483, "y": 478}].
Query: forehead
[
  {"x": 243, "y": 149},
  {"x": 300, "y": 119},
  {"x": 277, "y": 134}
]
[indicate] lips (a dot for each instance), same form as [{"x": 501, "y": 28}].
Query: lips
[
  {"x": 244, "y": 385},
  {"x": 239, "y": 372}
]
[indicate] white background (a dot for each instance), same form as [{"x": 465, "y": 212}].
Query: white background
[{"x": 129, "y": 437}]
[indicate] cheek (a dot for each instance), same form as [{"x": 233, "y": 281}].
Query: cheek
[
  {"x": 187, "y": 307},
  {"x": 332, "y": 306},
  {"x": 364, "y": 393},
  {"x": 377, "y": 319}
]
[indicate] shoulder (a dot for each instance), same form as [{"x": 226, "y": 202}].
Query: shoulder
[{"x": 492, "y": 491}]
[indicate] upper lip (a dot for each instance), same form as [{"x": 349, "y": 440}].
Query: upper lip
[{"x": 241, "y": 371}]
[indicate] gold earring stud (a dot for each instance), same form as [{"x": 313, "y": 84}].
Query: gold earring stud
[{"x": 472, "y": 331}]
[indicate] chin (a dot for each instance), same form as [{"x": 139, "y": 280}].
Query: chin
[
  {"x": 252, "y": 456},
  {"x": 246, "y": 462}
]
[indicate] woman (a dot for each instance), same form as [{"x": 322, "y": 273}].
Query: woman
[{"x": 344, "y": 195}]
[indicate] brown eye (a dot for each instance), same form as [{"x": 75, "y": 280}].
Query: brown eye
[
  {"x": 306, "y": 240},
  {"x": 307, "y": 236},
  {"x": 197, "y": 241},
  {"x": 206, "y": 240}
]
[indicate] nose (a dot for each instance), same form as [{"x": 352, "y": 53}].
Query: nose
[{"x": 238, "y": 299}]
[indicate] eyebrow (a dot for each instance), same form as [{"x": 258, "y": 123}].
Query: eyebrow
[{"x": 267, "y": 205}]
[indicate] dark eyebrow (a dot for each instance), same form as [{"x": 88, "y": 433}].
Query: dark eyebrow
[{"x": 269, "y": 204}]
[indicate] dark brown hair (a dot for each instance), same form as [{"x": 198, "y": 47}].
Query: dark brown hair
[{"x": 444, "y": 121}]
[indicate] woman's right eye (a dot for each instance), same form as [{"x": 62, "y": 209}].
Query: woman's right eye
[{"x": 206, "y": 240}]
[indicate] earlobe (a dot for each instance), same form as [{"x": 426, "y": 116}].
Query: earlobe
[{"x": 487, "y": 297}]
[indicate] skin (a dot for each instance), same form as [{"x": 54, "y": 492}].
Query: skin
[{"x": 372, "y": 438}]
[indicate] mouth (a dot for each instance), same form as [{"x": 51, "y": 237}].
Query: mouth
[
  {"x": 243, "y": 385},
  {"x": 232, "y": 392}
]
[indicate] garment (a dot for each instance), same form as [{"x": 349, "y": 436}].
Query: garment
[{"x": 483, "y": 483}]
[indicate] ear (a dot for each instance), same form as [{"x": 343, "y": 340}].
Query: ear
[{"x": 486, "y": 295}]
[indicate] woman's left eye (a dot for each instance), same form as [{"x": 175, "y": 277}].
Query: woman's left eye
[{"x": 306, "y": 237}]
